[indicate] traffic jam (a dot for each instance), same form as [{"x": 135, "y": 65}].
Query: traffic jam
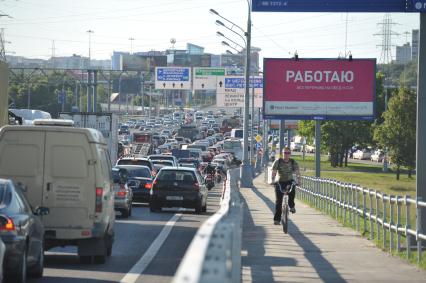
[{"x": 62, "y": 195}]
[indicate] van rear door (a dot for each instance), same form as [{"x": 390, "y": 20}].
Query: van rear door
[
  {"x": 69, "y": 189},
  {"x": 22, "y": 160}
]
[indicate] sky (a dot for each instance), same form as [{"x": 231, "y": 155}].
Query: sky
[{"x": 36, "y": 26}]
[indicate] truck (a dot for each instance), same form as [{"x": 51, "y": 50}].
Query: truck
[
  {"x": 229, "y": 124},
  {"x": 142, "y": 143},
  {"x": 106, "y": 123},
  {"x": 190, "y": 131}
]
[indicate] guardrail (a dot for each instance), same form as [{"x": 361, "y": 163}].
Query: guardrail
[
  {"x": 214, "y": 254},
  {"x": 378, "y": 213}
]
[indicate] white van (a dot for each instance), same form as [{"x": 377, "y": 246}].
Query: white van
[
  {"x": 237, "y": 133},
  {"x": 67, "y": 170}
]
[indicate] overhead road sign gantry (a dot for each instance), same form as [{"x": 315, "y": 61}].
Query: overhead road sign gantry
[
  {"x": 177, "y": 78},
  {"x": 230, "y": 91},
  {"x": 206, "y": 78},
  {"x": 377, "y": 6}
]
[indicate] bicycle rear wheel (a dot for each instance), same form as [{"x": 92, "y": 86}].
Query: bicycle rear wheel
[{"x": 284, "y": 218}]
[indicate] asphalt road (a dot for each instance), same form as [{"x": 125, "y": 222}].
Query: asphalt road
[{"x": 150, "y": 245}]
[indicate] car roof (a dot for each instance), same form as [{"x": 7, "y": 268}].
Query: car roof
[
  {"x": 131, "y": 166},
  {"x": 133, "y": 157},
  {"x": 159, "y": 155},
  {"x": 180, "y": 168},
  {"x": 4, "y": 181}
]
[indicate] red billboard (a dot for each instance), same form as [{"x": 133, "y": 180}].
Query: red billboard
[{"x": 319, "y": 88}]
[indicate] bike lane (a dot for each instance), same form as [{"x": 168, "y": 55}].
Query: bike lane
[{"x": 316, "y": 249}]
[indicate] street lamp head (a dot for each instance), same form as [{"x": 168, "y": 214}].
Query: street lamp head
[
  {"x": 218, "y": 33},
  {"x": 225, "y": 43},
  {"x": 219, "y": 23},
  {"x": 214, "y": 12},
  {"x": 229, "y": 52}
]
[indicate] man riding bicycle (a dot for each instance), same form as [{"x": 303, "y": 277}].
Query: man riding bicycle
[{"x": 285, "y": 167}]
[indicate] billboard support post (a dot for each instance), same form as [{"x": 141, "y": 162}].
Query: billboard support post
[
  {"x": 421, "y": 118},
  {"x": 317, "y": 148},
  {"x": 282, "y": 133}
]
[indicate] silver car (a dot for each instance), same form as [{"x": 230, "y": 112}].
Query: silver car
[{"x": 123, "y": 195}]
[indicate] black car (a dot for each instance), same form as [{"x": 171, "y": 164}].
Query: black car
[
  {"x": 22, "y": 232},
  {"x": 178, "y": 187},
  {"x": 124, "y": 130},
  {"x": 139, "y": 180}
]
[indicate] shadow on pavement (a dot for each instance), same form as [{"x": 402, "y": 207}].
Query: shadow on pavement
[
  {"x": 313, "y": 254},
  {"x": 260, "y": 265}
]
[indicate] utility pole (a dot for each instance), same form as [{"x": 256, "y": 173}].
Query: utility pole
[
  {"x": 90, "y": 43},
  {"x": 131, "y": 44},
  {"x": 53, "y": 54}
]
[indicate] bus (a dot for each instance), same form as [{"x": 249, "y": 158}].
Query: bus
[{"x": 234, "y": 146}]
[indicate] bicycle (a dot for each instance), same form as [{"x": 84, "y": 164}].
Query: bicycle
[{"x": 285, "y": 208}]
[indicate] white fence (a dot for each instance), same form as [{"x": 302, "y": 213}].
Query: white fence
[{"x": 379, "y": 214}]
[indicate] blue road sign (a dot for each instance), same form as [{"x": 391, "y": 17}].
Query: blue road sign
[
  {"x": 61, "y": 98},
  {"x": 385, "y": 6},
  {"x": 173, "y": 74},
  {"x": 241, "y": 82}
]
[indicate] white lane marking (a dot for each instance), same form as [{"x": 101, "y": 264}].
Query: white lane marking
[{"x": 145, "y": 260}]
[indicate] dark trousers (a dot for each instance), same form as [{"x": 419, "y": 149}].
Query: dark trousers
[{"x": 279, "y": 199}]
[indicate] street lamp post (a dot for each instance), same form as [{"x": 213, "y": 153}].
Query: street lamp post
[
  {"x": 90, "y": 43},
  {"x": 131, "y": 44},
  {"x": 246, "y": 169},
  {"x": 246, "y": 174}
]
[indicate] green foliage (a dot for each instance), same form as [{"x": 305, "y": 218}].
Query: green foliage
[
  {"x": 306, "y": 128},
  {"x": 398, "y": 131}
]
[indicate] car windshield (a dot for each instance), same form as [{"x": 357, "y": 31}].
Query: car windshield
[
  {"x": 176, "y": 175},
  {"x": 5, "y": 196},
  {"x": 138, "y": 172},
  {"x": 134, "y": 162}
]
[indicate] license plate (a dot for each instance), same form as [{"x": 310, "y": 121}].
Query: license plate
[{"x": 174, "y": 198}]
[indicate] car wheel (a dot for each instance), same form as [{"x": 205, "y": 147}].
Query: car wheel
[
  {"x": 36, "y": 271},
  {"x": 153, "y": 207},
  {"x": 109, "y": 241},
  {"x": 199, "y": 207},
  {"x": 85, "y": 259},
  {"x": 125, "y": 213},
  {"x": 19, "y": 275},
  {"x": 102, "y": 257}
]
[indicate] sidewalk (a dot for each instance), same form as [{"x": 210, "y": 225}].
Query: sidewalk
[{"x": 316, "y": 249}]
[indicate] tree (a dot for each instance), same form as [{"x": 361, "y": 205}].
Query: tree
[{"x": 398, "y": 131}]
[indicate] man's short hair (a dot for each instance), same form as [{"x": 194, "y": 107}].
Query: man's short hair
[{"x": 286, "y": 149}]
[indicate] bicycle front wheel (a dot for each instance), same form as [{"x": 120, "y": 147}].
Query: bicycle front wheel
[{"x": 284, "y": 218}]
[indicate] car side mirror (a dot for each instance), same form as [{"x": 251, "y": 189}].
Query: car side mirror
[
  {"x": 22, "y": 187},
  {"x": 41, "y": 211}
]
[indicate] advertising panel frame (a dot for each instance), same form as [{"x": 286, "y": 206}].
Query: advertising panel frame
[{"x": 317, "y": 116}]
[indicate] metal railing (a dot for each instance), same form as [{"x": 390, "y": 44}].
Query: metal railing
[
  {"x": 379, "y": 214},
  {"x": 214, "y": 254}
]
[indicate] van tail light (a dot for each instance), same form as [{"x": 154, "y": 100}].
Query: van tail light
[
  {"x": 6, "y": 224},
  {"x": 196, "y": 186},
  {"x": 98, "y": 203},
  {"x": 148, "y": 186}
]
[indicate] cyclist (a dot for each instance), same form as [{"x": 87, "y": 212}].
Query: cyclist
[{"x": 285, "y": 167}]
